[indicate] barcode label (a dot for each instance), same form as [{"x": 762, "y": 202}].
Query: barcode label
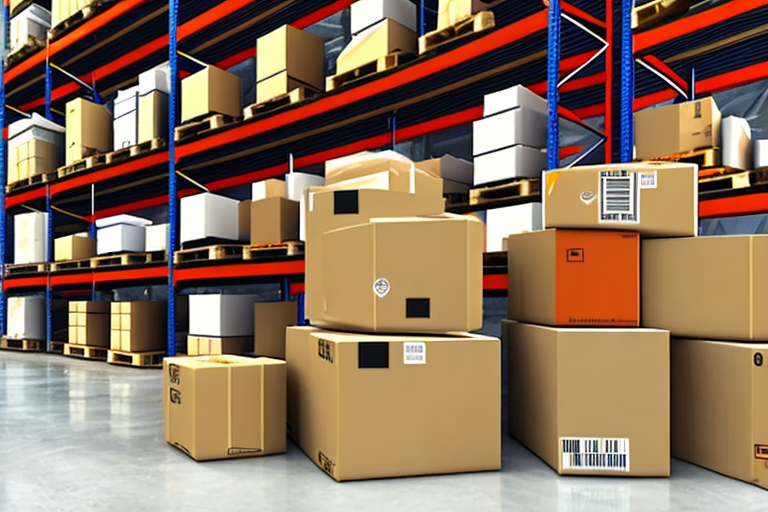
[
  {"x": 619, "y": 197},
  {"x": 595, "y": 454},
  {"x": 415, "y": 353}
]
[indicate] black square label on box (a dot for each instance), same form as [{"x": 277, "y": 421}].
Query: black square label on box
[
  {"x": 346, "y": 202},
  {"x": 417, "y": 308},
  {"x": 373, "y": 354}
]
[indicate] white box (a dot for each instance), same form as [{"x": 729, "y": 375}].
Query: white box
[
  {"x": 26, "y": 318},
  {"x": 122, "y": 219},
  {"x": 297, "y": 182},
  {"x": 365, "y": 13},
  {"x": 221, "y": 315},
  {"x": 518, "y": 126},
  {"x": 125, "y": 130},
  {"x": 505, "y": 164},
  {"x": 761, "y": 153},
  {"x": 35, "y": 21},
  {"x": 156, "y": 79},
  {"x": 448, "y": 167},
  {"x": 303, "y": 218},
  {"x": 512, "y": 98},
  {"x": 36, "y": 127},
  {"x": 126, "y": 102},
  {"x": 510, "y": 220},
  {"x": 736, "y": 143},
  {"x": 120, "y": 238},
  {"x": 30, "y": 240},
  {"x": 156, "y": 238},
  {"x": 209, "y": 216}
]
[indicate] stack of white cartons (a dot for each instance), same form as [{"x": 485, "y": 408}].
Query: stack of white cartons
[
  {"x": 26, "y": 318},
  {"x": 221, "y": 324},
  {"x": 35, "y": 146},
  {"x": 209, "y": 218},
  {"x": 154, "y": 87},
  {"x": 30, "y": 241},
  {"x": 125, "y": 127},
  {"x": 31, "y": 23},
  {"x": 121, "y": 233}
]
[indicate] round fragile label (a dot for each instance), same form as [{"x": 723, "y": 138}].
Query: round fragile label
[
  {"x": 381, "y": 287},
  {"x": 758, "y": 359},
  {"x": 587, "y": 197}
]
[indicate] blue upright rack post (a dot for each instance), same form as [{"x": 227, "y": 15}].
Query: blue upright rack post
[
  {"x": 422, "y": 21},
  {"x": 48, "y": 81},
  {"x": 173, "y": 14},
  {"x": 553, "y": 77},
  {"x": 48, "y": 258},
  {"x": 3, "y": 169},
  {"x": 627, "y": 83}
]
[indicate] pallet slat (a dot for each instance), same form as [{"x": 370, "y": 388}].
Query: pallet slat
[
  {"x": 194, "y": 128},
  {"x": 708, "y": 157},
  {"x": 209, "y": 253},
  {"x": 295, "y": 96},
  {"x": 84, "y": 164},
  {"x": 379, "y": 65},
  {"x": 479, "y": 22},
  {"x": 127, "y": 259},
  {"x": 22, "y": 345},
  {"x": 123, "y": 154},
  {"x": 137, "y": 359},
  {"x": 85, "y": 352},
  {"x": 57, "y": 347},
  {"x": 282, "y": 249},
  {"x": 522, "y": 188},
  {"x": 31, "y": 181},
  {"x": 25, "y": 269}
]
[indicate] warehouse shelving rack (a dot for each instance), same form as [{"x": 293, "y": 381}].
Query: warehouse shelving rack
[{"x": 440, "y": 90}]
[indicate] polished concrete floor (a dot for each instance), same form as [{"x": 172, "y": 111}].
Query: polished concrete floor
[{"x": 80, "y": 436}]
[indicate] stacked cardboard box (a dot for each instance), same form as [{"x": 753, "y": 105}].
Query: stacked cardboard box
[
  {"x": 74, "y": 247},
  {"x": 138, "y": 326},
  {"x": 89, "y": 323},
  {"x": 210, "y": 91},
  {"x": 35, "y": 146},
  {"x": 270, "y": 322},
  {"x": 121, "y": 233},
  {"x": 30, "y": 24},
  {"x": 220, "y": 324},
  {"x": 369, "y": 231},
  {"x": 89, "y": 130},
  {"x": 273, "y": 217}
]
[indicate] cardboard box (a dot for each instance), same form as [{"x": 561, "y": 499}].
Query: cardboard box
[
  {"x": 270, "y": 321},
  {"x": 244, "y": 221},
  {"x": 30, "y": 158},
  {"x": 138, "y": 326},
  {"x": 273, "y": 220},
  {"x": 156, "y": 238},
  {"x": 89, "y": 323},
  {"x": 656, "y": 199},
  {"x": 366, "y": 13},
  {"x": 221, "y": 315},
  {"x": 26, "y": 318},
  {"x": 89, "y": 130},
  {"x": 510, "y": 220},
  {"x": 510, "y": 163},
  {"x": 288, "y": 58},
  {"x": 706, "y": 287},
  {"x": 153, "y": 116},
  {"x": 507, "y": 129},
  {"x": 32, "y": 22},
  {"x": 30, "y": 238},
  {"x": 450, "y": 12},
  {"x": 610, "y": 420},
  {"x": 760, "y": 153},
  {"x": 267, "y": 188},
  {"x": 719, "y": 420},
  {"x": 449, "y": 168},
  {"x": 74, "y": 247},
  {"x": 737, "y": 143},
  {"x": 386, "y": 284},
  {"x": 211, "y": 346},
  {"x": 678, "y": 128},
  {"x": 297, "y": 182},
  {"x": 224, "y": 406},
  {"x": 156, "y": 79},
  {"x": 120, "y": 238},
  {"x": 512, "y": 98},
  {"x": 372, "y": 43},
  {"x": 574, "y": 278},
  {"x": 386, "y": 170},
  {"x": 209, "y": 216},
  {"x": 348, "y": 402},
  {"x": 210, "y": 91}
]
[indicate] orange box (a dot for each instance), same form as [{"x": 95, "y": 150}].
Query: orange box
[{"x": 571, "y": 278}]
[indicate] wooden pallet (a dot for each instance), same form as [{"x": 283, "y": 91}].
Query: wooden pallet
[
  {"x": 653, "y": 13},
  {"x": 209, "y": 253},
  {"x": 25, "y": 268},
  {"x": 57, "y": 347},
  {"x": 274, "y": 250},
  {"x": 89, "y": 11},
  {"x": 709, "y": 157},
  {"x": 31, "y": 181},
  {"x": 195, "y": 128},
  {"x": 32, "y": 45},
  {"x": 85, "y": 352},
  {"x": 295, "y": 96},
  {"x": 377, "y": 66},
  {"x": 84, "y": 164},
  {"x": 23, "y": 345},
  {"x": 511, "y": 190},
  {"x": 732, "y": 181},
  {"x": 138, "y": 359},
  {"x": 58, "y": 266},
  {"x": 483, "y": 20},
  {"x": 127, "y": 259},
  {"x": 121, "y": 155}
]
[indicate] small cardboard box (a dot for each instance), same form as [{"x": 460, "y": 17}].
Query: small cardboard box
[
  {"x": 706, "y": 287},
  {"x": 267, "y": 188},
  {"x": 396, "y": 400},
  {"x": 719, "y": 419},
  {"x": 30, "y": 237},
  {"x": 449, "y": 167},
  {"x": 153, "y": 116},
  {"x": 26, "y": 318},
  {"x": 386, "y": 284},
  {"x": 679, "y": 128},
  {"x": 507, "y": 129},
  {"x": 30, "y": 158},
  {"x": 450, "y": 12},
  {"x": 509, "y": 163},
  {"x": 89, "y": 130},
  {"x": 215, "y": 315},
  {"x": 510, "y": 220},
  {"x": 209, "y": 216},
  {"x": 590, "y": 401},
  {"x": 74, "y": 247},
  {"x": 366, "y": 13},
  {"x": 138, "y": 326},
  {"x": 222, "y": 407},
  {"x": 210, "y": 91},
  {"x": 656, "y": 199},
  {"x": 216, "y": 346},
  {"x": 380, "y": 40},
  {"x": 89, "y": 323},
  {"x": 574, "y": 278},
  {"x": 270, "y": 321},
  {"x": 275, "y": 219}
]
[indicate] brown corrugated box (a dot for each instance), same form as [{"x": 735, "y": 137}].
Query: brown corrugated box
[
  {"x": 270, "y": 321},
  {"x": 655, "y": 199},
  {"x": 89, "y": 323},
  {"x": 274, "y": 219},
  {"x": 138, "y": 326},
  {"x": 210, "y": 91},
  {"x": 706, "y": 287},
  {"x": 211, "y": 346},
  {"x": 384, "y": 38},
  {"x": 377, "y": 276},
  {"x": 450, "y": 12},
  {"x": 153, "y": 116},
  {"x": 679, "y": 128},
  {"x": 578, "y": 395},
  {"x": 221, "y": 407},
  {"x": 88, "y": 130},
  {"x": 74, "y": 247},
  {"x": 31, "y": 158},
  {"x": 244, "y": 220},
  {"x": 719, "y": 415},
  {"x": 364, "y": 406}
]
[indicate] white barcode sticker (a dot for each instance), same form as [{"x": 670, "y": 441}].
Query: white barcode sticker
[
  {"x": 595, "y": 454},
  {"x": 415, "y": 353},
  {"x": 647, "y": 180},
  {"x": 619, "y": 198}
]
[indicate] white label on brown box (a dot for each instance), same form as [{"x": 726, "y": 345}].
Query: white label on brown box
[
  {"x": 619, "y": 198},
  {"x": 595, "y": 454},
  {"x": 381, "y": 287},
  {"x": 648, "y": 179},
  {"x": 415, "y": 353}
]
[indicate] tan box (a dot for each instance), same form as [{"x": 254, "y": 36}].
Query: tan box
[
  {"x": 677, "y": 128},
  {"x": 74, "y": 247},
  {"x": 142, "y": 326},
  {"x": 655, "y": 199},
  {"x": 270, "y": 321},
  {"x": 719, "y": 418},
  {"x": 706, "y": 287},
  {"x": 450, "y": 12},
  {"x": 91, "y": 329},
  {"x": 222, "y": 407},
  {"x": 153, "y": 116},
  {"x": 88, "y": 130},
  {"x": 384, "y": 38},
  {"x": 289, "y": 58},
  {"x": 267, "y": 188},
  {"x": 30, "y": 158},
  {"x": 590, "y": 401},
  {"x": 365, "y": 406},
  {"x": 213, "y": 346},
  {"x": 275, "y": 219},
  {"x": 377, "y": 277},
  {"x": 210, "y": 91},
  {"x": 244, "y": 220},
  {"x": 86, "y": 306}
]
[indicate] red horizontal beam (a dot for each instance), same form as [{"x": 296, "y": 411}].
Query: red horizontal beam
[
  {"x": 71, "y": 279},
  {"x": 25, "y": 197},
  {"x": 296, "y": 288},
  {"x": 240, "y": 270},
  {"x": 138, "y": 274},
  {"x": 10, "y": 283},
  {"x": 747, "y": 204},
  {"x": 570, "y": 9},
  {"x": 495, "y": 282}
]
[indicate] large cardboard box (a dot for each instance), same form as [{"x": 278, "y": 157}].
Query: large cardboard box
[
  {"x": 138, "y": 326},
  {"x": 380, "y": 40},
  {"x": 510, "y": 220},
  {"x": 288, "y": 58},
  {"x": 153, "y": 116},
  {"x": 210, "y": 91},
  {"x": 215, "y": 315},
  {"x": 224, "y": 407},
  {"x": 719, "y": 419},
  {"x": 275, "y": 219},
  {"x": 450, "y": 168},
  {"x": 366, "y": 13},
  {"x": 215, "y": 346},
  {"x": 506, "y": 164},
  {"x": 267, "y": 188},
  {"x": 656, "y": 199},
  {"x": 209, "y": 216},
  {"x": 89, "y": 130},
  {"x": 591, "y": 401},
  {"x": 706, "y": 287},
  {"x": 366, "y": 406},
  {"x": 388, "y": 284},
  {"x": 512, "y": 98},
  {"x": 677, "y": 128},
  {"x": 574, "y": 278},
  {"x": 270, "y": 321},
  {"x": 450, "y": 12},
  {"x": 30, "y": 238},
  {"x": 26, "y": 318},
  {"x": 74, "y": 247},
  {"x": 89, "y": 323},
  {"x": 507, "y": 129}
]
